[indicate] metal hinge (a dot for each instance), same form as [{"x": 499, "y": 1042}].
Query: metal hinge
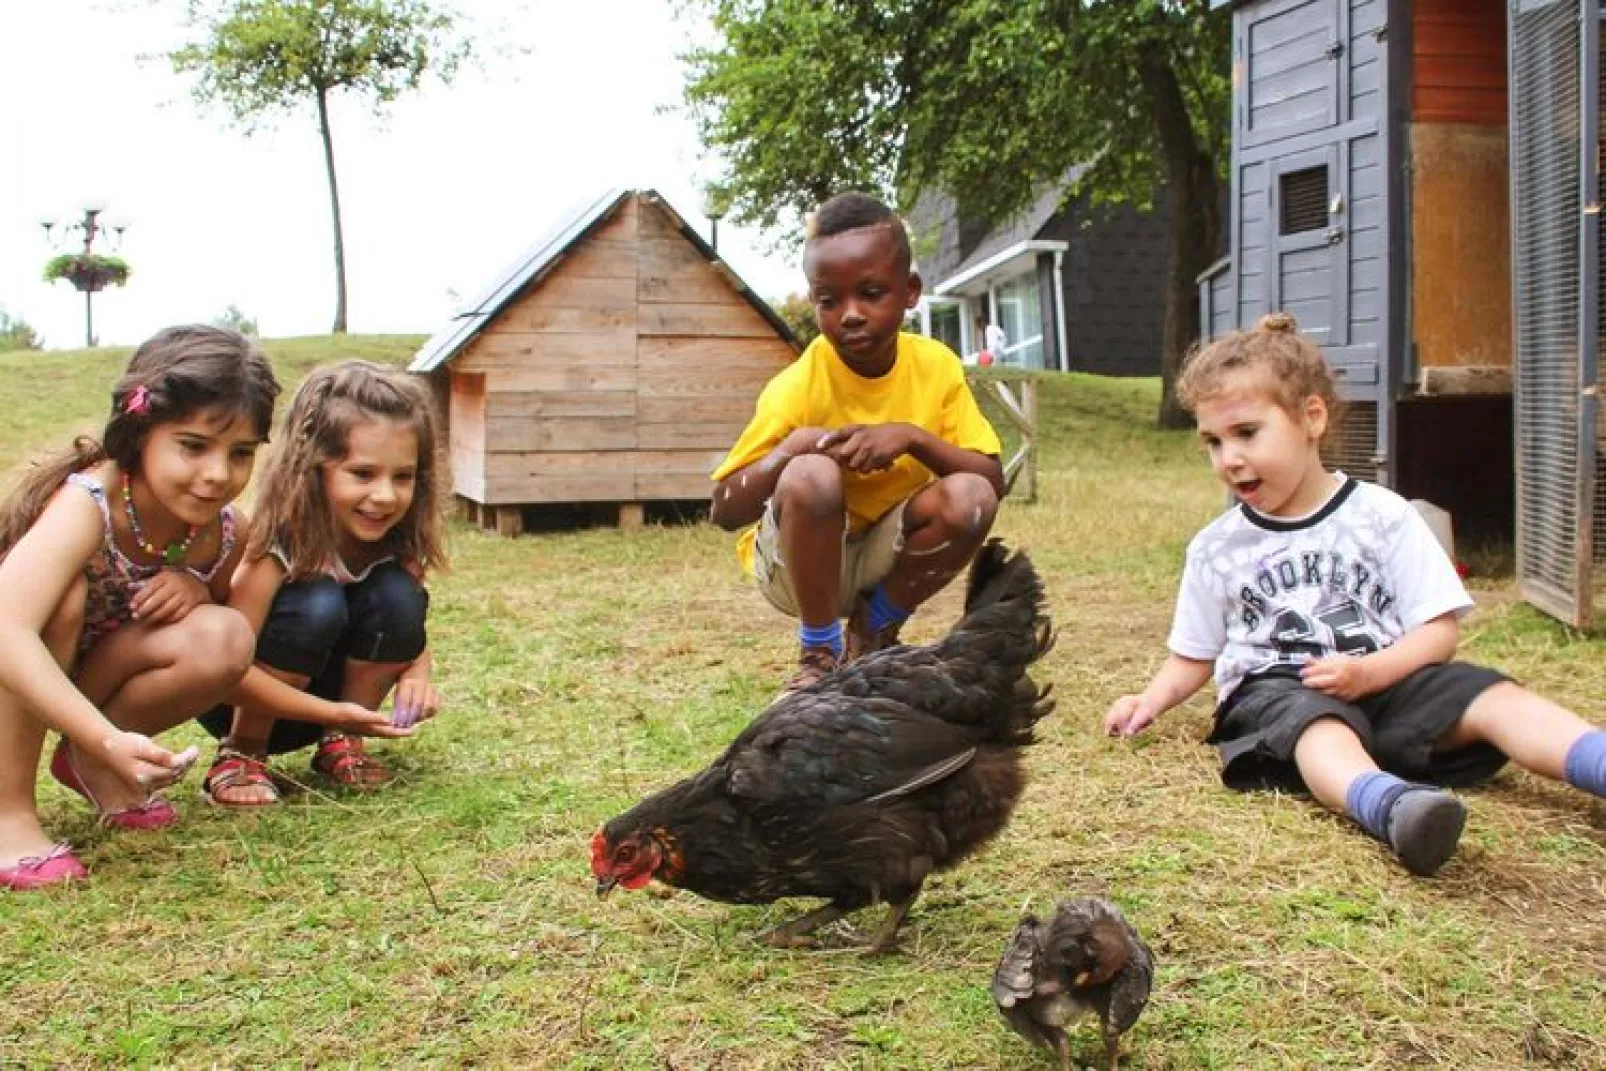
[
  {"x": 1381, "y": 33},
  {"x": 1335, "y": 50}
]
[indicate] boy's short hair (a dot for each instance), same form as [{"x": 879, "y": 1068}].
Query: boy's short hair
[{"x": 854, "y": 211}]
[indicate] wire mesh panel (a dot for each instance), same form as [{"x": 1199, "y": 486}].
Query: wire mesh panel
[
  {"x": 1552, "y": 59},
  {"x": 1352, "y": 445}
]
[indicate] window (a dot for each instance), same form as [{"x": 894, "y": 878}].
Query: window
[
  {"x": 1020, "y": 314},
  {"x": 1303, "y": 197},
  {"x": 946, "y": 319}
]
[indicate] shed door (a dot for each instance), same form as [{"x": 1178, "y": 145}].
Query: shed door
[
  {"x": 1292, "y": 76},
  {"x": 1309, "y": 273},
  {"x": 1554, "y": 77}
]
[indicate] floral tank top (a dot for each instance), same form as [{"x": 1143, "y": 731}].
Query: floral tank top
[{"x": 114, "y": 578}]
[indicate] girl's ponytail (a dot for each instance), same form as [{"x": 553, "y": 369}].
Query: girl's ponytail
[{"x": 37, "y": 483}]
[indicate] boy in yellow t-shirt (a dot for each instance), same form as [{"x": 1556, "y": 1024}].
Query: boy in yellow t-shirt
[{"x": 868, "y": 476}]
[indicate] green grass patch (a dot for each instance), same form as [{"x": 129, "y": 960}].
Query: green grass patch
[{"x": 451, "y": 919}]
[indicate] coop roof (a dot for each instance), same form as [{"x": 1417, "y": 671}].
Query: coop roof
[{"x": 535, "y": 261}]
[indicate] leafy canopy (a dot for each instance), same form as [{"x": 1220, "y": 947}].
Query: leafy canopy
[
  {"x": 258, "y": 57},
  {"x": 986, "y": 99}
]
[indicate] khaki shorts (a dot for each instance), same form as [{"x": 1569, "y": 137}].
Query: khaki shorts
[{"x": 866, "y": 558}]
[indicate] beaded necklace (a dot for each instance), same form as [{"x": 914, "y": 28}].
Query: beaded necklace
[{"x": 175, "y": 551}]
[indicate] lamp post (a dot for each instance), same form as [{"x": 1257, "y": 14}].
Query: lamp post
[{"x": 88, "y": 271}]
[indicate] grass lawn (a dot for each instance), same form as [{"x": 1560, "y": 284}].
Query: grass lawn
[{"x": 451, "y": 919}]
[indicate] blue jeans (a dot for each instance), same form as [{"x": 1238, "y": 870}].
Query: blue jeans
[{"x": 316, "y": 624}]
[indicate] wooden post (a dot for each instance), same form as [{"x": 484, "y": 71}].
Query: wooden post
[
  {"x": 1029, "y": 403},
  {"x": 509, "y": 521},
  {"x": 468, "y": 510},
  {"x": 632, "y": 514}
]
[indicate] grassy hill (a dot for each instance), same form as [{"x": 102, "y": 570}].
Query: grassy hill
[{"x": 451, "y": 920}]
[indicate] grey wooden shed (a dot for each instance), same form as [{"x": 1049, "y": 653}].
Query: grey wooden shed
[{"x": 1369, "y": 197}]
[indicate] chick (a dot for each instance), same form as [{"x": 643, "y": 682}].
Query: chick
[{"x": 1087, "y": 958}]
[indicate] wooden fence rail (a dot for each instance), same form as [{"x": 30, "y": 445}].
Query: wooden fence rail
[{"x": 1016, "y": 395}]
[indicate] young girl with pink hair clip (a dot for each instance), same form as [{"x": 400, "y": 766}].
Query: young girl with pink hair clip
[{"x": 114, "y": 556}]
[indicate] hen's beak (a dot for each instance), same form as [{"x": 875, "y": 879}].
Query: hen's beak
[{"x": 605, "y": 885}]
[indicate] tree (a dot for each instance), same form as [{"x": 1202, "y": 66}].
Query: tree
[
  {"x": 16, "y": 334},
  {"x": 798, "y": 312},
  {"x": 985, "y": 99},
  {"x": 235, "y": 319},
  {"x": 261, "y": 57}
]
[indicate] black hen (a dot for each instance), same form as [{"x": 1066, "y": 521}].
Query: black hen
[
  {"x": 856, "y": 788},
  {"x": 1086, "y": 959}
]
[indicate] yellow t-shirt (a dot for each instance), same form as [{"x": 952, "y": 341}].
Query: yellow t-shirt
[{"x": 926, "y": 387}]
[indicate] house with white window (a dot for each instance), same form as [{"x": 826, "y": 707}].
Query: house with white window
[{"x": 1073, "y": 287}]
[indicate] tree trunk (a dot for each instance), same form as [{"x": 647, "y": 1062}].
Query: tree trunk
[
  {"x": 339, "y": 327},
  {"x": 1194, "y": 196}
]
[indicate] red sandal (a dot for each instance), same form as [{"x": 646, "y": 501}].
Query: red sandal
[
  {"x": 234, "y": 770},
  {"x": 343, "y": 760}
]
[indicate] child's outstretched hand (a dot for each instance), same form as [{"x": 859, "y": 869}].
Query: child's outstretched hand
[
  {"x": 1129, "y": 716},
  {"x": 167, "y": 597},
  {"x": 144, "y": 765},
  {"x": 358, "y": 720},
  {"x": 1341, "y": 676},
  {"x": 416, "y": 700},
  {"x": 869, "y": 448}
]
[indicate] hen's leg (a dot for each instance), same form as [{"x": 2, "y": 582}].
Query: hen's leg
[
  {"x": 1062, "y": 1045},
  {"x": 792, "y": 934},
  {"x": 1112, "y": 1043},
  {"x": 886, "y": 938}
]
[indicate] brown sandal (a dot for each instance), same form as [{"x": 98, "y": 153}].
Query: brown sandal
[
  {"x": 233, "y": 771},
  {"x": 344, "y": 761}
]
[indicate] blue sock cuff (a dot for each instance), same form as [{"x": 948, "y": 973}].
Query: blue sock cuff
[
  {"x": 883, "y": 611},
  {"x": 822, "y": 636},
  {"x": 1371, "y": 797},
  {"x": 1586, "y": 763}
]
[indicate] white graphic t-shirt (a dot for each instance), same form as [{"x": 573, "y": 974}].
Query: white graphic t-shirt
[{"x": 1352, "y": 577}]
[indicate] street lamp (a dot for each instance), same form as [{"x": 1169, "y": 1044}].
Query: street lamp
[{"x": 88, "y": 271}]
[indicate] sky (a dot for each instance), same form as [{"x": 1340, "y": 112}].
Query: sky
[{"x": 437, "y": 195}]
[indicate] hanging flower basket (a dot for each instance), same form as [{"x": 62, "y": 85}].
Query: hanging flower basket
[{"x": 88, "y": 271}]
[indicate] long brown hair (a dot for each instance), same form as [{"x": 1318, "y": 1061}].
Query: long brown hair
[
  {"x": 293, "y": 513},
  {"x": 176, "y": 373},
  {"x": 1293, "y": 365}
]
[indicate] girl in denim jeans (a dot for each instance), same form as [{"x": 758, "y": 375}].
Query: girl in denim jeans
[{"x": 348, "y": 524}]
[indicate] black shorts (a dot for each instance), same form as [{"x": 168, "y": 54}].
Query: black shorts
[
  {"x": 1258, "y": 726},
  {"x": 316, "y": 625}
]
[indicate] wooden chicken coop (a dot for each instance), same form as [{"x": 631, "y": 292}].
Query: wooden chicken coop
[{"x": 615, "y": 362}]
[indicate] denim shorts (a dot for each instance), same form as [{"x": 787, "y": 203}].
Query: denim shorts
[{"x": 316, "y": 625}]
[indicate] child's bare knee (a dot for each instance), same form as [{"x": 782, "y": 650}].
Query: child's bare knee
[
  {"x": 810, "y": 482},
  {"x": 222, "y": 643},
  {"x": 969, "y": 504}
]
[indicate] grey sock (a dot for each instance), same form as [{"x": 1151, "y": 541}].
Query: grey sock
[{"x": 1424, "y": 828}]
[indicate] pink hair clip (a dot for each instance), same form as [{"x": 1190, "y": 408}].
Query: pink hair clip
[{"x": 139, "y": 401}]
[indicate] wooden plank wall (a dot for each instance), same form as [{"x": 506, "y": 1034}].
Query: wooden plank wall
[
  {"x": 1458, "y": 61},
  {"x": 623, "y": 375},
  {"x": 703, "y": 353}
]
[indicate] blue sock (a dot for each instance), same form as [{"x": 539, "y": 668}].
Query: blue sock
[
  {"x": 1586, "y": 763},
  {"x": 883, "y": 611},
  {"x": 823, "y": 636},
  {"x": 1371, "y": 797}
]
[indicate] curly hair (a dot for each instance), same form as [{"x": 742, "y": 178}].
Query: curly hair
[
  {"x": 176, "y": 373},
  {"x": 294, "y": 514},
  {"x": 1294, "y": 368}
]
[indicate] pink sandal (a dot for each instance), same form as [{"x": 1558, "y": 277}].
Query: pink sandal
[
  {"x": 154, "y": 813},
  {"x": 56, "y": 867}
]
